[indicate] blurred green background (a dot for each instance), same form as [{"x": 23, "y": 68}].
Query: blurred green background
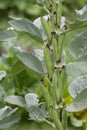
[
  {"x": 26, "y": 81},
  {"x": 29, "y": 8}
]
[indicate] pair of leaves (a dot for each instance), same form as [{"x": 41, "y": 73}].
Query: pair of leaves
[
  {"x": 78, "y": 48},
  {"x": 8, "y": 117},
  {"x": 31, "y": 104}
]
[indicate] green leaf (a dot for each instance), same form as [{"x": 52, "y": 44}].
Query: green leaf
[
  {"x": 2, "y": 93},
  {"x": 40, "y": 1},
  {"x": 77, "y": 86},
  {"x": 78, "y": 45},
  {"x": 38, "y": 24},
  {"x": 79, "y": 103},
  {"x": 17, "y": 68},
  {"x": 7, "y": 34},
  {"x": 4, "y": 111},
  {"x": 8, "y": 121},
  {"x": 31, "y": 99},
  {"x": 7, "y": 117},
  {"x": 75, "y": 122},
  {"x": 75, "y": 69},
  {"x": 16, "y": 100},
  {"x": 22, "y": 24},
  {"x": 76, "y": 25},
  {"x": 82, "y": 14},
  {"x": 37, "y": 113},
  {"x": 2, "y": 74},
  {"x": 32, "y": 62}
]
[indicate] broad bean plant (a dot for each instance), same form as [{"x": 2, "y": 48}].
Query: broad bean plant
[{"x": 60, "y": 63}]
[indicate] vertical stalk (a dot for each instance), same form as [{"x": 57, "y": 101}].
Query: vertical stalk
[
  {"x": 56, "y": 120},
  {"x": 64, "y": 119},
  {"x": 55, "y": 74}
]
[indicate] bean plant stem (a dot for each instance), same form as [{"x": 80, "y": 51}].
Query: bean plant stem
[{"x": 55, "y": 70}]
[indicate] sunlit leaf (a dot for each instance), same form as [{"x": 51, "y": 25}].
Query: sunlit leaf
[
  {"x": 79, "y": 103},
  {"x": 77, "y": 86},
  {"x": 78, "y": 45},
  {"x": 7, "y": 34}
]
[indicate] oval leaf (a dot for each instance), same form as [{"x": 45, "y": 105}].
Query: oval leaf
[
  {"x": 22, "y": 24},
  {"x": 77, "y": 86},
  {"x": 32, "y": 62},
  {"x": 2, "y": 74},
  {"x": 31, "y": 99},
  {"x": 16, "y": 100},
  {"x": 37, "y": 114},
  {"x": 8, "y": 121},
  {"x": 38, "y": 24},
  {"x": 4, "y": 111},
  {"x": 7, "y": 34},
  {"x": 78, "y": 45},
  {"x": 75, "y": 69},
  {"x": 79, "y": 103},
  {"x": 17, "y": 68}
]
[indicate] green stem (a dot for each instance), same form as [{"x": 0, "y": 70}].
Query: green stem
[
  {"x": 56, "y": 120},
  {"x": 64, "y": 119},
  {"x": 76, "y": 28},
  {"x": 55, "y": 85},
  {"x": 50, "y": 123}
]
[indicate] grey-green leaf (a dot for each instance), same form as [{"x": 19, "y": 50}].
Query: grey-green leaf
[
  {"x": 32, "y": 62},
  {"x": 2, "y": 74},
  {"x": 38, "y": 24},
  {"x": 7, "y": 34},
  {"x": 2, "y": 93},
  {"x": 79, "y": 103},
  {"x": 77, "y": 86},
  {"x": 8, "y": 121},
  {"x": 17, "y": 68},
  {"x": 40, "y": 1},
  {"x": 4, "y": 111},
  {"x": 81, "y": 14},
  {"x": 78, "y": 45},
  {"x": 25, "y": 25},
  {"x": 16, "y": 100},
  {"x": 75, "y": 69},
  {"x": 7, "y": 117},
  {"x": 31, "y": 99},
  {"x": 37, "y": 114}
]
